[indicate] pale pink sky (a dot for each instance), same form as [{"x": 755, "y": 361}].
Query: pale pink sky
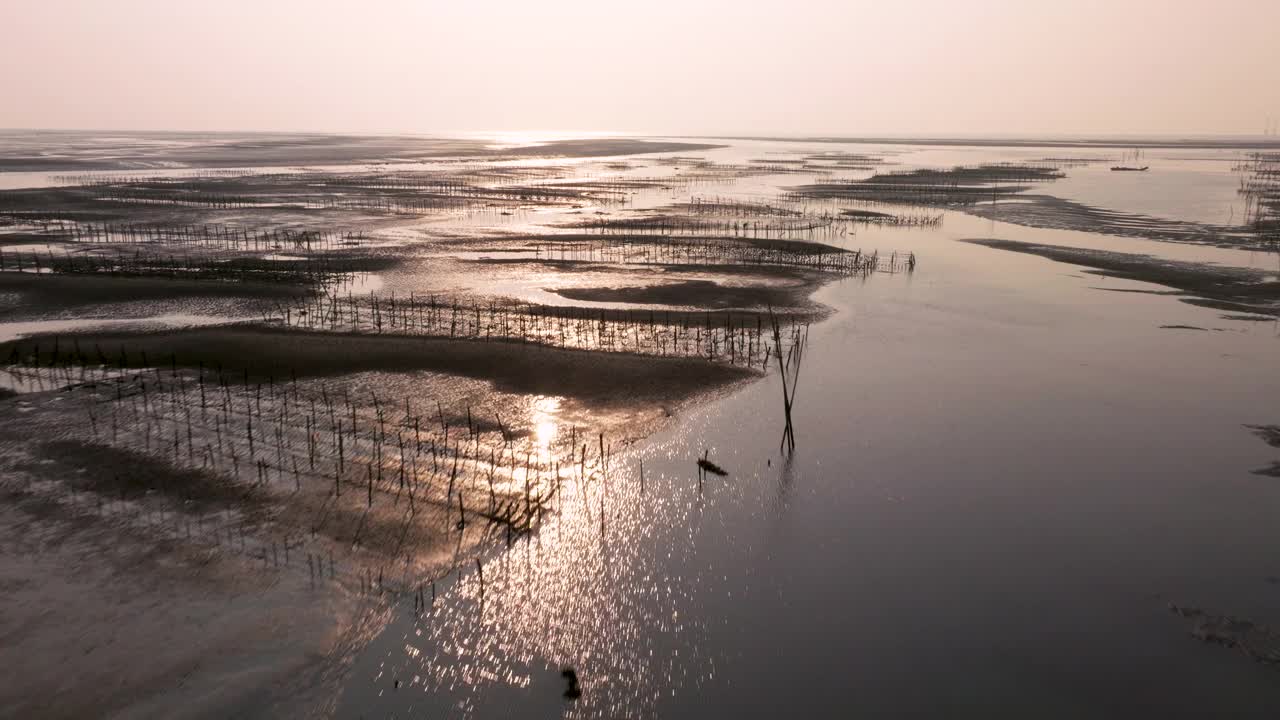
[{"x": 655, "y": 66}]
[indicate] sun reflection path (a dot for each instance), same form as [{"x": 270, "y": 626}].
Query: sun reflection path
[
  {"x": 544, "y": 416},
  {"x": 587, "y": 591}
]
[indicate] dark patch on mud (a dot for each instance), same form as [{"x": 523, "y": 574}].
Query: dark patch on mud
[
  {"x": 1231, "y": 289},
  {"x": 1270, "y": 434},
  {"x": 51, "y": 293},
  {"x": 1249, "y": 318},
  {"x": 693, "y": 293},
  {"x": 607, "y": 379},
  {"x": 868, "y": 214},
  {"x": 24, "y": 238},
  {"x": 1132, "y": 290},
  {"x": 1045, "y": 211},
  {"x": 551, "y": 245},
  {"x": 1256, "y": 641},
  {"x": 115, "y": 472},
  {"x": 769, "y": 272},
  {"x": 957, "y": 186},
  {"x": 1183, "y": 327}
]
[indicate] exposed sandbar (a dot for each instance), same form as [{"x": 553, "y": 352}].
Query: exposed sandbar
[
  {"x": 707, "y": 294},
  {"x": 1232, "y": 289},
  {"x": 599, "y": 378}
]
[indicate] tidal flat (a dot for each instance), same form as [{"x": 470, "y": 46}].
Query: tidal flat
[{"x": 328, "y": 426}]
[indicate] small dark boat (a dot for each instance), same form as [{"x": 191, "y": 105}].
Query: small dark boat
[
  {"x": 706, "y": 466},
  {"x": 1126, "y": 168},
  {"x": 575, "y": 690}
]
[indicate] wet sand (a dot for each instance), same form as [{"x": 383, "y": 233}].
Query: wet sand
[
  {"x": 698, "y": 293},
  {"x": 103, "y": 623},
  {"x": 274, "y": 634},
  {"x": 231, "y": 507},
  {"x": 1044, "y": 211},
  {"x": 1237, "y": 290},
  {"x": 261, "y": 352},
  {"x": 1270, "y": 434},
  {"x": 457, "y": 452},
  {"x": 47, "y": 296}
]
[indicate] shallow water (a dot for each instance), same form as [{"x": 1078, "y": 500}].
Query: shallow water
[
  {"x": 1192, "y": 185},
  {"x": 1004, "y": 476}
]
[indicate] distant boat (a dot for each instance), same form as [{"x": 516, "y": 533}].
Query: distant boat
[{"x": 1126, "y": 168}]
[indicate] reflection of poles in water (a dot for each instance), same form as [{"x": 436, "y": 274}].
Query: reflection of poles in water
[
  {"x": 786, "y": 478},
  {"x": 705, "y": 467},
  {"x": 1260, "y": 188},
  {"x": 284, "y": 433},
  {"x": 789, "y": 370}
]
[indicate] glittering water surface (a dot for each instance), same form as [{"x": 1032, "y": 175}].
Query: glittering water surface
[{"x": 1004, "y": 475}]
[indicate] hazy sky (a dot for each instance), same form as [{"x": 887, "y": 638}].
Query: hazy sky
[{"x": 658, "y": 66}]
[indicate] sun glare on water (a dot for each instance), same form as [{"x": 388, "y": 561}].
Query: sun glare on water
[
  {"x": 544, "y": 419},
  {"x": 523, "y": 138}
]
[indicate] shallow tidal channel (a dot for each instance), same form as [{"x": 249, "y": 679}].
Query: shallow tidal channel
[{"x": 1002, "y": 482}]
